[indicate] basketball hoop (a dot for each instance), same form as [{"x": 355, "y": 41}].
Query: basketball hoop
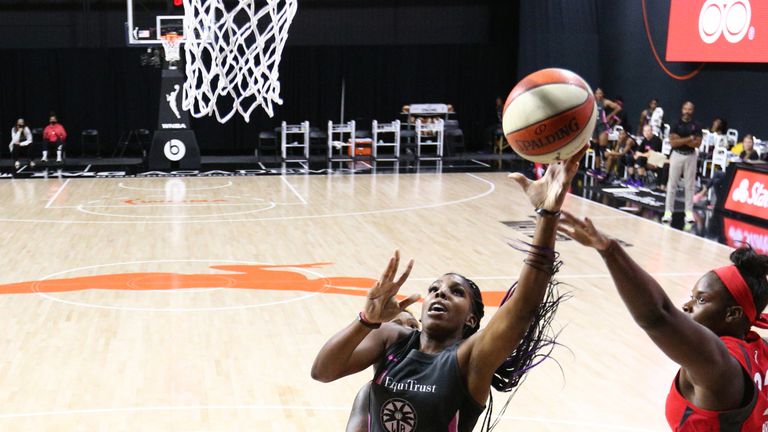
[
  {"x": 233, "y": 52},
  {"x": 171, "y": 47}
]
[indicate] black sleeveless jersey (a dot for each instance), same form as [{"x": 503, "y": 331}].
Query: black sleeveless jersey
[{"x": 417, "y": 392}]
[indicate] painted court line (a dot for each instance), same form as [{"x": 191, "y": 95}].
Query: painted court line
[
  {"x": 124, "y": 186},
  {"x": 82, "y": 209},
  {"x": 491, "y": 187},
  {"x": 293, "y": 189},
  {"x": 574, "y": 276},
  {"x": 650, "y": 221},
  {"x": 162, "y": 205},
  {"x": 118, "y": 410},
  {"x": 480, "y": 163},
  {"x": 56, "y": 195}
]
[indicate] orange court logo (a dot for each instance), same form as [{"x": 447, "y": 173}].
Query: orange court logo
[{"x": 262, "y": 277}]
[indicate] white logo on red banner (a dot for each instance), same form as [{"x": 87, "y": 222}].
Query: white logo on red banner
[
  {"x": 756, "y": 196},
  {"x": 730, "y": 18}
]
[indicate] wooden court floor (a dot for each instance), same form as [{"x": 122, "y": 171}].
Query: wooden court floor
[{"x": 198, "y": 304}]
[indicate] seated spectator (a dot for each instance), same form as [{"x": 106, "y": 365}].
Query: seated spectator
[
  {"x": 54, "y": 136},
  {"x": 646, "y": 114},
  {"x": 21, "y": 138},
  {"x": 719, "y": 126},
  {"x": 749, "y": 154},
  {"x": 620, "y": 155},
  {"x": 649, "y": 157},
  {"x": 714, "y": 185}
]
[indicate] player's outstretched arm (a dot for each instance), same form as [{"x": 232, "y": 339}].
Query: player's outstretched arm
[
  {"x": 706, "y": 362},
  {"x": 359, "y": 344},
  {"x": 485, "y": 351}
]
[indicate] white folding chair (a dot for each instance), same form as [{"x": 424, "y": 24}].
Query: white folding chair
[
  {"x": 430, "y": 134},
  {"x": 719, "y": 142},
  {"x": 613, "y": 134},
  {"x": 666, "y": 147},
  {"x": 657, "y": 119},
  {"x": 341, "y": 137},
  {"x": 719, "y": 158},
  {"x": 390, "y": 138},
  {"x": 296, "y": 129},
  {"x": 707, "y": 140},
  {"x": 733, "y": 136},
  {"x": 589, "y": 158}
]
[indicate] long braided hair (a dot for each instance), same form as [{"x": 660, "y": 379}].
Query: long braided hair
[
  {"x": 536, "y": 345},
  {"x": 539, "y": 340}
]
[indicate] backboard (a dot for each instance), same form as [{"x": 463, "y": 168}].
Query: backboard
[{"x": 148, "y": 20}]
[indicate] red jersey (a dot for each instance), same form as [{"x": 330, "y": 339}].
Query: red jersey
[
  {"x": 752, "y": 354},
  {"x": 54, "y": 132}
]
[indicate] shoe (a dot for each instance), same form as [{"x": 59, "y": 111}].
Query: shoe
[
  {"x": 32, "y": 164},
  {"x": 43, "y": 160},
  {"x": 667, "y": 218},
  {"x": 17, "y": 164},
  {"x": 689, "y": 219},
  {"x": 638, "y": 183},
  {"x": 594, "y": 172}
]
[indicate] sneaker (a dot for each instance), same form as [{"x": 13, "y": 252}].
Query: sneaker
[
  {"x": 689, "y": 219},
  {"x": 594, "y": 172},
  {"x": 667, "y": 218},
  {"x": 638, "y": 183},
  {"x": 17, "y": 164}
]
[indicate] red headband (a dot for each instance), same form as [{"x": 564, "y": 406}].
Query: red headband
[{"x": 741, "y": 293}]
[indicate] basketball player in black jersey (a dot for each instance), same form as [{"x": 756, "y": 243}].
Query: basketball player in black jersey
[
  {"x": 358, "y": 417},
  {"x": 439, "y": 379}
]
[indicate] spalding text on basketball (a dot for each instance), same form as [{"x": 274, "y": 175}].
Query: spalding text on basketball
[{"x": 568, "y": 129}]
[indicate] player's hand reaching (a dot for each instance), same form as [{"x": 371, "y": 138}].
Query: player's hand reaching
[
  {"x": 549, "y": 191},
  {"x": 382, "y": 305},
  {"x": 583, "y": 231}
]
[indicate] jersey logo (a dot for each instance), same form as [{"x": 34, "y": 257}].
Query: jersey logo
[{"x": 398, "y": 415}]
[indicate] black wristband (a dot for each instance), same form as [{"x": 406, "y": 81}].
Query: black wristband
[
  {"x": 361, "y": 319},
  {"x": 546, "y": 213}
]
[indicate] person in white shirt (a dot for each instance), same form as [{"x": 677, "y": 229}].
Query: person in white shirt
[{"x": 21, "y": 138}]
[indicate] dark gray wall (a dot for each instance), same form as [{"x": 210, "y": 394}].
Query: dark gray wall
[
  {"x": 605, "y": 41},
  {"x": 100, "y": 23}
]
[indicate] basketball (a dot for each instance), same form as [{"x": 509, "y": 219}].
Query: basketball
[{"x": 549, "y": 115}]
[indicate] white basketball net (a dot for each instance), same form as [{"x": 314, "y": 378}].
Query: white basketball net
[
  {"x": 171, "y": 48},
  {"x": 233, "y": 51}
]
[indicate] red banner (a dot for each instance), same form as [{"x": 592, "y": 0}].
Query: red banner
[
  {"x": 737, "y": 233},
  {"x": 748, "y": 194},
  {"x": 718, "y": 31}
]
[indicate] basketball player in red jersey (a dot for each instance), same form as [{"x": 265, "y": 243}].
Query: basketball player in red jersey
[{"x": 722, "y": 385}]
